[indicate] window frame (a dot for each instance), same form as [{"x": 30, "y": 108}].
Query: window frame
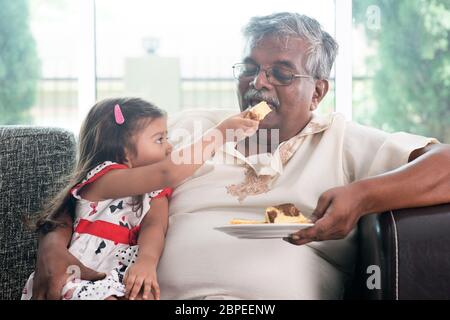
[
  {"x": 87, "y": 91},
  {"x": 343, "y": 63}
]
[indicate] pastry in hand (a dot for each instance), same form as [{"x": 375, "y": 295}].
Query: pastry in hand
[{"x": 259, "y": 111}]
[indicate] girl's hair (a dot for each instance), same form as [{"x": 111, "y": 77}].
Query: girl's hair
[{"x": 101, "y": 139}]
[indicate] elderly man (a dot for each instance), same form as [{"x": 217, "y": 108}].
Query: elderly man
[{"x": 334, "y": 171}]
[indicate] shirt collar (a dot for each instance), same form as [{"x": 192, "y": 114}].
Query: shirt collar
[{"x": 272, "y": 164}]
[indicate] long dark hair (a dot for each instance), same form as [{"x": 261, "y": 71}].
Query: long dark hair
[{"x": 101, "y": 139}]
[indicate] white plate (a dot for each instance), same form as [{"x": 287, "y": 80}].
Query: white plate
[{"x": 262, "y": 231}]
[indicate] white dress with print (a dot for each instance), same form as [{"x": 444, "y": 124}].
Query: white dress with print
[{"x": 104, "y": 239}]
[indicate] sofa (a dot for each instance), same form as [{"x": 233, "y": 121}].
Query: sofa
[{"x": 409, "y": 248}]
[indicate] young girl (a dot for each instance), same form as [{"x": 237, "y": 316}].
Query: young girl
[{"x": 118, "y": 196}]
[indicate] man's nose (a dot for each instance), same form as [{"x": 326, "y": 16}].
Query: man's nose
[{"x": 261, "y": 81}]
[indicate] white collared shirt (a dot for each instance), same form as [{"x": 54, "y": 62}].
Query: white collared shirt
[{"x": 199, "y": 261}]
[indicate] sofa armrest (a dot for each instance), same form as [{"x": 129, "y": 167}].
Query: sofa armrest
[
  {"x": 33, "y": 162},
  {"x": 412, "y": 249}
]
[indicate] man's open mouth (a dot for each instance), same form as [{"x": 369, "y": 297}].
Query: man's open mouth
[{"x": 254, "y": 102}]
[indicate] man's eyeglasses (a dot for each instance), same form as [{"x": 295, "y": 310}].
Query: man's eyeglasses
[{"x": 277, "y": 76}]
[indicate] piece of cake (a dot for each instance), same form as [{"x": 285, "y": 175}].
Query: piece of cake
[
  {"x": 259, "y": 111},
  {"x": 285, "y": 213},
  {"x": 246, "y": 221}
]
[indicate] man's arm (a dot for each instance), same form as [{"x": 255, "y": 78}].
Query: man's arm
[
  {"x": 424, "y": 181},
  {"x": 53, "y": 259},
  {"x": 61, "y": 235}
]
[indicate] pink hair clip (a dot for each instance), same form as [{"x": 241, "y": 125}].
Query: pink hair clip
[{"x": 118, "y": 114}]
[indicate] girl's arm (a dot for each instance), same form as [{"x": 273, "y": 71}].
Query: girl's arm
[
  {"x": 153, "y": 231},
  {"x": 151, "y": 243},
  {"x": 167, "y": 173}
]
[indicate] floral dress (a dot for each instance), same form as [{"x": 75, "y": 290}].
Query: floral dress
[{"x": 104, "y": 239}]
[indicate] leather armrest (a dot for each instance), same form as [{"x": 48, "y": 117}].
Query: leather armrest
[{"x": 412, "y": 249}]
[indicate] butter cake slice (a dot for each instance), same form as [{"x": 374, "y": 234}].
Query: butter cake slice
[
  {"x": 246, "y": 221},
  {"x": 285, "y": 213},
  {"x": 259, "y": 111}
]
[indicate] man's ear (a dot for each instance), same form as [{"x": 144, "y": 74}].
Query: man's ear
[{"x": 320, "y": 91}]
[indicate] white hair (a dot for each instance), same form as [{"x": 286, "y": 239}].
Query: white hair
[{"x": 322, "y": 48}]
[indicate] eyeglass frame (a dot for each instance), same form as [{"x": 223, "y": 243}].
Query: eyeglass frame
[{"x": 266, "y": 70}]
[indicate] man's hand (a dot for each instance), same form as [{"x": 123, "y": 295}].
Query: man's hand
[
  {"x": 337, "y": 212},
  {"x": 51, "y": 272}
]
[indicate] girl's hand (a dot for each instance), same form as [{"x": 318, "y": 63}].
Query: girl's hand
[
  {"x": 141, "y": 277},
  {"x": 237, "y": 127}
]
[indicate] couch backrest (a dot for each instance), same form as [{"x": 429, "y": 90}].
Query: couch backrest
[{"x": 32, "y": 162}]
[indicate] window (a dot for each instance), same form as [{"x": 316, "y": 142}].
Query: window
[
  {"x": 179, "y": 55},
  {"x": 40, "y": 62},
  {"x": 401, "y": 66},
  {"x": 176, "y": 54}
]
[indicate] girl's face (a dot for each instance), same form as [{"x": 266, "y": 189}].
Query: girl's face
[{"x": 151, "y": 144}]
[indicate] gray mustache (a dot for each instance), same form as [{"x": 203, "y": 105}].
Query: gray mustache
[{"x": 253, "y": 94}]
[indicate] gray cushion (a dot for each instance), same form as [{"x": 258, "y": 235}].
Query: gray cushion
[{"x": 33, "y": 160}]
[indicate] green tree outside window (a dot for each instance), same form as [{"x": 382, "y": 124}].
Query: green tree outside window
[
  {"x": 19, "y": 64},
  {"x": 411, "y": 69}
]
